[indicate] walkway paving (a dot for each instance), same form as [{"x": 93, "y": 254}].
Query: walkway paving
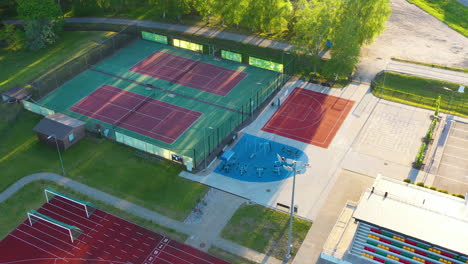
[
  {"x": 195, "y": 30},
  {"x": 428, "y": 72},
  {"x": 145, "y": 213}
]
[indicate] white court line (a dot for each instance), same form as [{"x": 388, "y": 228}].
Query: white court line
[
  {"x": 137, "y": 127},
  {"x": 80, "y": 208},
  {"x": 49, "y": 235},
  {"x": 457, "y": 157},
  {"x": 453, "y": 146},
  {"x": 308, "y": 139},
  {"x": 178, "y": 249},
  {"x": 453, "y": 166},
  {"x": 172, "y": 106},
  {"x": 86, "y": 218},
  {"x": 89, "y": 229},
  {"x": 206, "y": 87},
  {"x": 45, "y": 242},
  {"x": 37, "y": 247}
]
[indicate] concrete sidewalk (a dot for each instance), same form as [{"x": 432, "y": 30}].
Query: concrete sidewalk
[
  {"x": 139, "y": 211},
  {"x": 428, "y": 72},
  {"x": 195, "y": 30}
]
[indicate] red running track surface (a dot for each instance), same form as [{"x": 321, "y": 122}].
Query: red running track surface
[
  {"x": 196, "y": 74},
  {"x": 310, "y": 117},
  {"x": 135, "y": 112},
  {"x": 106, "y": 239}
]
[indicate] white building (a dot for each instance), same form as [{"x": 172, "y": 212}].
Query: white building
[{"x": 396, "y": 222}]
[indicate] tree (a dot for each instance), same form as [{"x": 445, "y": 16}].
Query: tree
[
  {"x": 313, "y": 27},
  {"x": 13, "y": 37},
  {"x": 269, "y": 16},
  {"x": 206, "y": 8},
  {"x": 44, "y": 19},
  {"x": 172, "y": 8}
]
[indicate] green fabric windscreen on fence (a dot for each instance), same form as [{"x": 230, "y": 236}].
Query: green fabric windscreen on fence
[
  {"x": 154, "y": 37},
  {"x": 37, "y": 109},
  {"x": 228, "y": 55},
  {"x": 188, "y": 45},
  {"x": 269, "y": 65},
  {"x": 150, "y": 148}
]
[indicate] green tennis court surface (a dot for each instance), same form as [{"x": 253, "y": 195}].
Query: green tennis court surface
[{"x": 219, "y": 114}]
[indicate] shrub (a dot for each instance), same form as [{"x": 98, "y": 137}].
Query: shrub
[
  {"x": 430, "y": 132},
  {"x": 433, "y": 188},
  {"x": 421, "y": 184},
  {"x": 420, "y": 156},
  {"x": 458, "y": 195},
  {"x": 443, "y": 191},
  {"x": 407, "y": 180},
  {"x": 12, "y": 37}
]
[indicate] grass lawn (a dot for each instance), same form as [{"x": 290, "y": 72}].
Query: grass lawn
[
  {"x": 102, "y": 164},
  {"x": 451, "y": 12},
  {"x": 265, "y": 230},
  {"x": 223, "y": 254},
  {"x": 13, "y": 211},
  {"x": 23, "y": 66},
  {"x": 420, "y": 92}
]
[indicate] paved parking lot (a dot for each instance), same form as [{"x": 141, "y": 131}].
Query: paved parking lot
[{"x": 452, "y": 174}]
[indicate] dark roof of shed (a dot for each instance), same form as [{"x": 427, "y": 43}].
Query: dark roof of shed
[
  {"x": 16, "y": 93},
  {"x": 57, "y": 124}
]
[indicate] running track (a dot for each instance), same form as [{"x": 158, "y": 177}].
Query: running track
[
  {"x": 106, "y": 239},
  {"x": 196, "y": 74},
  {"x": 310, "y": 117},
  {"x": 153, "y": 118}
]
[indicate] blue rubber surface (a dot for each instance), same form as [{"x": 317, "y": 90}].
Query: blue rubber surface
[{"x": 255, "y": 160}]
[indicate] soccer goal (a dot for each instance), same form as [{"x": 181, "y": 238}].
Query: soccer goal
[
  {"x": 73, "y": 231},
  {"x": 88, "y": 207}
]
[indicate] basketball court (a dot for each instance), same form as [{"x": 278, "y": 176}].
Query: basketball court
[
  {"x": 199, "y": 75},
  {"x": 137, "y": 113},
  {"x": 310, "y": 117},
  {"x": 99, "y": 238}
]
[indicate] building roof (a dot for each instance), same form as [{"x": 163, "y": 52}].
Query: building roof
[
  {"x": 57, "y": 124},
  {"x": 428, "y": 215}
]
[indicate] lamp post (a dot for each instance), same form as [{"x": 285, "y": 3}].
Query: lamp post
[
  {"x": 292, "y": 166},
  {"x": 206, "y": 146},
  {"x": 291, "y": 216},
  {"x": 58, "y": 150}
]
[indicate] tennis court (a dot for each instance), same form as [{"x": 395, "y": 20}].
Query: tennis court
[
  {"x": 164, "y": 100},
  {"x": 310, "y": 117},
  {"x": 188, "y": 72},
  {"x": 105, "y": 238},
  {"x": 137, "y": 113}
]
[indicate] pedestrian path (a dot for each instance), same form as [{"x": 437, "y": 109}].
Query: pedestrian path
[
  {"x": 194, "y": 30},
  {"x": 428, "y": 72}
]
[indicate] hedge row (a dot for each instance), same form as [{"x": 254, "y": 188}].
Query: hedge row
[{"x": 421, "y": 184}]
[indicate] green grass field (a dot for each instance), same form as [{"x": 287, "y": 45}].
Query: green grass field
[
  {"x": 31, "y": 196},
  {"x": 265, "y": 230},
  {"x": 451, "y": 12},
  {"x": 102, "y": 164},
  {"x": 420, "y": 92},
  {"x": 24, "y": 66}
]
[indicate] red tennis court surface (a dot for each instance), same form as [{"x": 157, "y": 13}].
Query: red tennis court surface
[
  {"x": 105, "y": 239},
  {"x": 310, "y": 117},
  {"x": 135, "y": 112},
  {"x": 196, "y": 74}
]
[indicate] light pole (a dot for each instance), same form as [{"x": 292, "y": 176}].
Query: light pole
[
  {"x": 291, "y": 216},
  {"x": 58, "y": 150},
  {"x": 206, "y": 146},
  {"x": 292, "y": 166}
]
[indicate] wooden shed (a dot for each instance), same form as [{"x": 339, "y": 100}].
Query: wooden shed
[{"x": 67, "y": 130}]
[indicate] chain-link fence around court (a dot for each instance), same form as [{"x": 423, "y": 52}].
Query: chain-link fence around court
[{"x": 208, "y": 141}]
